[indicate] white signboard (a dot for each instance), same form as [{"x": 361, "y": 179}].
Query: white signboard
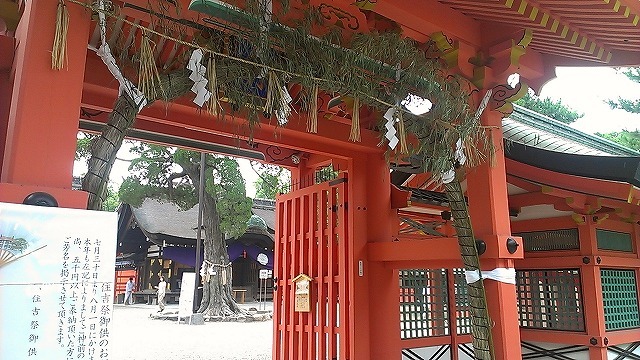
[
  {"x": 265, "y": 274},
  {"x": 185, "y": 304},
  {"x": 56, "y": 282}
]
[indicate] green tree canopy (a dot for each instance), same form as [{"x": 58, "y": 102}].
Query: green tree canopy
[
  {"x": 161, "y": 173},
  {"x": 272, "y": 180},
  {"x": 630, "y": 139},
  {"x": 554, "y": 109},
  {"x": 629, "y": 105}
]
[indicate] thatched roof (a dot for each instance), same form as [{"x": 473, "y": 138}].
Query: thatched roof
[{"x": 164, "y": 223}]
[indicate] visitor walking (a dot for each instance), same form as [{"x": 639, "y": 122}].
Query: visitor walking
[
  {"x": 128, "y": 291},
  {"x": 162, "y": 289}
]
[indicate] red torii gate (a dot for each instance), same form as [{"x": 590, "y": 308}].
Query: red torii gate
[{"x": 484, "y": 40}]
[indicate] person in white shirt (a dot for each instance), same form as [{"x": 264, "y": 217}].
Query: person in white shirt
[
  {"x": 162, "y": 289},
  {"x": 128, "y": 290}
]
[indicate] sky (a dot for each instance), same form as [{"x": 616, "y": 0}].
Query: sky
[
  {"x": 586, "y": 90},
  {"x": 582, "y": 89}
]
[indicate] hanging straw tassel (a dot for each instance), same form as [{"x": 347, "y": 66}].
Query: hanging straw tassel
[
  {"x": 402, "y": 133},
  {"x": 213, "y": 104},
  {"x": 59, "y": 53},
  {"x": 355, "y": 121},
  {"x": 273, "y": 89},
  {"x": 148, "y": 76},
  {"x": 312, "y": 121}
]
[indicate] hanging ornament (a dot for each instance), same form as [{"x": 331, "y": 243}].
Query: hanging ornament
[
  {"x": 402, "y": 134},
  {"x": 273, "y": 84},
  {"x": 198, "y": 76},
  {"x": 59, "y": 52},
  {"x": 148, "y": 76},
  {"x": 391, "y": 129},
  {"x": 212, "y": 104},
  {"x": 312, "y": 120},
  {"x": 284, "y": 111},
  {"x": 278, "y": 99},
  {"x": 355, "y": 121}
]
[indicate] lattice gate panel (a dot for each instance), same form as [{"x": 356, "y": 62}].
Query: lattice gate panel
[{"x": 311, "y": 238}]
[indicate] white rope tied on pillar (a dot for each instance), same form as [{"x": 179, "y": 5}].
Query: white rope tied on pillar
[{"x": 503, "y": 275}]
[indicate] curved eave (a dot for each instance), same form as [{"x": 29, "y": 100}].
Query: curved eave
[
  {"x": 530, "y": 128},
  {"x": 612, "y": 168}
]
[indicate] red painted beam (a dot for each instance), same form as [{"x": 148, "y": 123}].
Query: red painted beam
[
  {"x": 604, "y": 188},
  {"x": 554, "y": 337},
  {"x": 332, "y": 136},
  {"x": 418, "y": 250}
]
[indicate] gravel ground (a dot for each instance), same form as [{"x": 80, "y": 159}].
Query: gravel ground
[{"x": 137, "y": 337}]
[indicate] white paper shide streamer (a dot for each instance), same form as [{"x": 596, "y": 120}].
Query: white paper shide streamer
[
  {"x": 104, "y": 52},
  {"x": 390, "y": 125},
  {"x": 199, "y": 78}
]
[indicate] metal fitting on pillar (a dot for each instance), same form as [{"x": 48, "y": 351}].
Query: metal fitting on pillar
[
  {"x": 481, "y": 246},
  {"x": 512, "y": 245}
]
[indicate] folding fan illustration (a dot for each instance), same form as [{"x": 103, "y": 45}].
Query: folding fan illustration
[{"x": 12, "y": 248}]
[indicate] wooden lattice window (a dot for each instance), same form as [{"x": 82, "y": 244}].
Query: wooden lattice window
[
  {"x": 563, "y": 239},
  {"x": 614, "y": 240},
  {"x": 550, "y": 299},
  {"x": 620, "y": 298},
  {"x": 423, "y": 303},
  {"x": 463, "y": 315}
]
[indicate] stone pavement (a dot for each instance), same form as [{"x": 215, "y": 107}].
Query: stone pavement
[{"x": 136, "y": 336}]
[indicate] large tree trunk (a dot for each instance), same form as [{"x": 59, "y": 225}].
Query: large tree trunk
[
  {"x": 217, "y": 300},
  {"x": 105, "y": 147}
]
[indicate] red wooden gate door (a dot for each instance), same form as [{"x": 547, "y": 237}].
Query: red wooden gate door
[{"x": 311, "y": 239}]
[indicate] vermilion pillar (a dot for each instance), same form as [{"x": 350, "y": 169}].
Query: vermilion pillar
[
  {"x": 376, "y": 330},
  {"x": 592, "y": 290},
  {"x": 489, "y": 211},
  {"x": 45, "y": 107}
]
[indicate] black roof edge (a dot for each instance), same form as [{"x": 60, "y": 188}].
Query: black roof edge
[{"x": 614, "y": 168}]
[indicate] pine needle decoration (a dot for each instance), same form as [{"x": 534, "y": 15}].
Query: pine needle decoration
[
  {"x": 402, "y": 134},
  {"x": 59, "y": 56},
  {"x": 148, "y": 76},
  {"x": 312, "y": 120},
  {"x": 355, "y": 122},
  {"x": 212, "y": 105}
]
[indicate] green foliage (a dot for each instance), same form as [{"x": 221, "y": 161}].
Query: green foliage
[
  {"x": 83, "y": 146},
  {"x": 326, "y": 173},
  {"x": 628, "y": 105},
  {"x": 272, "y": 180},
  {"x": 630, "y": 139},
  {"x": 112, "y": 201},
  {"x": 228, "y": 186},
  {"x": 168, "y": 174},
  {"x": 380, "y": 69},
  {"x": 551, "y": 108}
]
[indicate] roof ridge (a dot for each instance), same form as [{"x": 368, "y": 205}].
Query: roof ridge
[{"x": 554, "y": 127}]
